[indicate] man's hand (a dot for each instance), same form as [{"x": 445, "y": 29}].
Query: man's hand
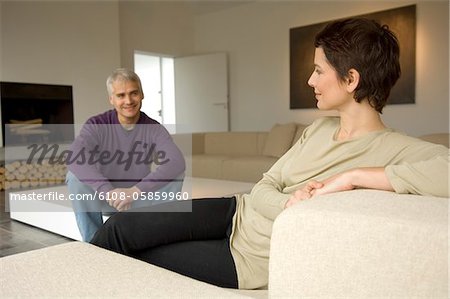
[{"x": 122, "y": 198}]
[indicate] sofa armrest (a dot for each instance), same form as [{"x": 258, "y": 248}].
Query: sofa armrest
[{"x": 361, "y": 243}]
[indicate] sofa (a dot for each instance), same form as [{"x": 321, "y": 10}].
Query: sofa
[
  {"x": 238, "y": 156},
  {"x": 245, "y": 156},
  {"x": 352, "y": 244}
]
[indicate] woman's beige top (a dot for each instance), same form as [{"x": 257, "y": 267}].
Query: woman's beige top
[{"x": 412, "y": 166}]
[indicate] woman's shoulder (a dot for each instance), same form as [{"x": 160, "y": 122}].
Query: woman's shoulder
[
  {"x": 395, "y": 136},
  {"x": 323, "y": 125},
  {"x": 327, "y": 121},
  {"x": 323, "y": 122},
  {"x": 397, "y": 139},
  {"x": 319, "y": 130}
]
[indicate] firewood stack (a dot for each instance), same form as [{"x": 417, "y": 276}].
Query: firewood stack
[
  {"x": 27, "y": 127},
  {"x": 22, "y": 175}
]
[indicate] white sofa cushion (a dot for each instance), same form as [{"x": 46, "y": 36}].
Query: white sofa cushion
[{"x": 78, "y": 269}]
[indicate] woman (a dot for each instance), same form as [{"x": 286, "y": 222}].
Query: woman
[{"x": 225, "y": 241}]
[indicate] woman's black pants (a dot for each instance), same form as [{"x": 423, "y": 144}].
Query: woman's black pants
[{"x": 195, "y": 244}]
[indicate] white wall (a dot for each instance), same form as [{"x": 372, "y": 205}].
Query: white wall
[
  {"x": 81, "y": 42},
  {"x": 155, "y": 27},
  {"x": 256, "y": 36},
  {"x": 73, "y": 43}
]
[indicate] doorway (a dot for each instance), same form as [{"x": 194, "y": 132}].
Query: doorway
[
  {"x": 187, "y": 94},
  {"x": 157, "y": 78}
]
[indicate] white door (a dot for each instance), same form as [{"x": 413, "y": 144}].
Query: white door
[{"x": 201, "y": 93}]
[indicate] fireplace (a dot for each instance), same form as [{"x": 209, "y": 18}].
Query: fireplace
[{"x": 36, "y": 113}]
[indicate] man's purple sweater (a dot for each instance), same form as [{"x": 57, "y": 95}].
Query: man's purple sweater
[{"x": 110, "y": 156}]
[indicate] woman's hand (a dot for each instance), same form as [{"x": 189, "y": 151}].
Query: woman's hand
[
  {"x": 305, "y": 193},
  {"x": 340, "y": 182},
  {"x": 368, "y": 178},
  {"x": 343, "y": 181}
]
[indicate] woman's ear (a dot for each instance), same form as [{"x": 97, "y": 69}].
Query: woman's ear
[{"x": 352, "y": 80}]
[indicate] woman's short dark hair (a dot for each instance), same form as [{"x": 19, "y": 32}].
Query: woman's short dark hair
[{"x": 367, "y": 47}]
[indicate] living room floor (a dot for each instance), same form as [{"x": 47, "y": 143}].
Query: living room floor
[{"x": 17, "y": 237}]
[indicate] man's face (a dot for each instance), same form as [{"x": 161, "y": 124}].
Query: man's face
[{"x": 127, "y": 101}]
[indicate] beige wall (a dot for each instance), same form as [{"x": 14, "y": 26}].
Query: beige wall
[
  {"x": 155, "y": 27},
  {"x": 256, "y": 36},
  {"x": 79, "y": 43},
  {"x": 73, "y": 43}
]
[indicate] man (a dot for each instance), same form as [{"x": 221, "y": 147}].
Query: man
[{"x": 115, "y": 152}]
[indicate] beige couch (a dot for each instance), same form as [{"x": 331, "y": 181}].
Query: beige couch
[
  {"x": 245, "y": 156},
  {"x": 354, "y": 244},
  {"x": 239, "y": 156}
]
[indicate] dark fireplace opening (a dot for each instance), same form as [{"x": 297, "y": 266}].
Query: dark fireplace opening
[{"x": 36, "y": 113}]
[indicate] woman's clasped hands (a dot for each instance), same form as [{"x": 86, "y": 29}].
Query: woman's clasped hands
[
  {"x": 339, "y": 182},
  {"x": 306, "y": 192}
]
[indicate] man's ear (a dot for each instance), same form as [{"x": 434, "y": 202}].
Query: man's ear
[{"x": 352, "y": 80}]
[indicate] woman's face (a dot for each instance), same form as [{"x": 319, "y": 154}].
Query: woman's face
[{"x": 330, "y": 91}]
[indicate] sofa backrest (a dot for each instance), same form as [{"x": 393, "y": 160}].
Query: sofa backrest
[
  {"x": 281, "y": 138},
  {"x": 233, "y": 143},
  {"x": 273, "y": 143},
  {"x": 298, "y": 132},
  {"x": 438, "y": 138}
]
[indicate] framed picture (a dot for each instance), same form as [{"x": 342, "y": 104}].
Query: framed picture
[{"x": 402, "y": 21}]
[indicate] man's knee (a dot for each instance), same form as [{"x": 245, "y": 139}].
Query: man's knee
[
  {"x": 174, "y": 186},
  {"x": 116, "y": 227}
]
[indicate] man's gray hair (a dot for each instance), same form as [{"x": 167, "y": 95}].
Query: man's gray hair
[{"x": 122, "y": 74}]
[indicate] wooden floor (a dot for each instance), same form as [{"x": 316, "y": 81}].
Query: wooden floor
[{"x": 16, "y": 237}]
